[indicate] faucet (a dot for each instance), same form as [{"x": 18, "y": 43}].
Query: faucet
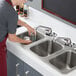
[
  {"x": 47, "y": 30},
  {"x": 67, "y": 41}
]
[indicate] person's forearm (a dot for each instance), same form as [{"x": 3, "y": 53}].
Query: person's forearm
[
  {"x": 29, "y": 28},
  {"x": 21, "y": 23},
  {"x": 14, "y": 38}
]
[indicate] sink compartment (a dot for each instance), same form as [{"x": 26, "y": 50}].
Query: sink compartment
[
  {"x": 64, "y": 62},
  {"x": 38, "y": 36},
  {"x": 45, "y": 48}
]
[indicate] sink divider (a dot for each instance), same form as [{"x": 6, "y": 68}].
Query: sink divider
[
  {"x": 49, "y": 47},
  {"x": 68, "y": 60}
]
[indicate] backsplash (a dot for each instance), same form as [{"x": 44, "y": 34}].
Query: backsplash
[{"x": 61, "y": 27}]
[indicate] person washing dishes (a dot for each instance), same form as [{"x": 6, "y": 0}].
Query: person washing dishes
[{"x": 8, "y": 23}]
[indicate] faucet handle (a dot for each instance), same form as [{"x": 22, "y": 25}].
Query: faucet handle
[
  {"x": 48, "y": 31},
  {"x": 68, "y": 41},
  {"x": 54, "y": 34}
]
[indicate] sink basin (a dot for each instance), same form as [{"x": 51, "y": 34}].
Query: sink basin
[
  {"x": 25, "y": 34},
  {"x": 64, "y": 62},
  {"x": 45, "y": 48}
]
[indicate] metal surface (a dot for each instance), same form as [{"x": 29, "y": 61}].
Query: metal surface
[
  {"x": 47, "y": 30},
  {"x": 53, "y": 52},
  {"x": 64, "y": 62},
  {"x": 46, "y": 48},
  {"x": 26, "y": 34},
  {"x": 66, "y": 41}
]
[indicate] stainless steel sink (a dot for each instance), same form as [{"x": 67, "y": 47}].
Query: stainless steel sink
[
  {"x": 46, "y": 48},
  {"x": 56, "y": 55},
  {"x": 37, "y": 37},
  {"x": 64, "y": 62},
  {"x": 53, "y": 52}
]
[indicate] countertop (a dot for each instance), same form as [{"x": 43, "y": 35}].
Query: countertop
[{"x": 34, "y": 19}]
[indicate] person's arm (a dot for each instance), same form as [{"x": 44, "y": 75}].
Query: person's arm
[
  {"x": 30, "y": 29},
  {"x": 12, "y": 26},
  {"x": 14, "y": 38}
]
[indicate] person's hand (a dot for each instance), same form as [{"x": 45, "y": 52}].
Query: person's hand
[
  {"x": 31, "y": 30},
  {"x": 27, "y": 41}
]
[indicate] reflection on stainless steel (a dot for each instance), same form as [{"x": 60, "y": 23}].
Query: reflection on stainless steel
[
  {"x": 55, "y": 54},
  {"x": 37, "y": 37},
  {"x": 65, "y": 41},
  {"x": 64, "y": 62},
  {"x": 47, "y": 30},
  {"x": 45, "y": 48},
  {"x": 53, "y": 51}
]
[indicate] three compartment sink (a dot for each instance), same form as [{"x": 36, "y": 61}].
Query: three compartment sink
[
  {"x": 37, "y": 37},
  {"x": 55, "y": 54},
  {"x": 52, "y": 52},
  {"x": 65, "y": 62},
  {"x": 46, "y": 48}
]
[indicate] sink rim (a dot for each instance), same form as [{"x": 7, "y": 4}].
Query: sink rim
[
  {"x": 51, "y": 56},
  {"x": 42, "y": 37},
  {"x": 45, "y": 40},
  {"x": 64, "y": 71}
]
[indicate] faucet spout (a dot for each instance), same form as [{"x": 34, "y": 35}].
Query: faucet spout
[{"x": 47, "y": 30}]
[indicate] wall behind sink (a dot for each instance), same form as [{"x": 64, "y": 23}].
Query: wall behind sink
[{"x": 60, "y": 26}]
